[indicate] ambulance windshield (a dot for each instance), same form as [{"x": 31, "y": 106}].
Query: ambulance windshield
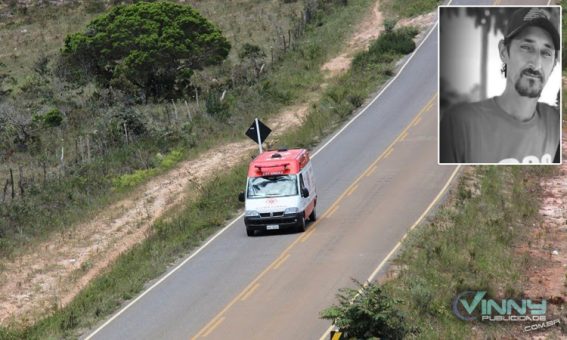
[{"x": 272, "y": 186}]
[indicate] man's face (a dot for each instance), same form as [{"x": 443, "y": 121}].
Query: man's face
[{"x": 530, "y": 60}]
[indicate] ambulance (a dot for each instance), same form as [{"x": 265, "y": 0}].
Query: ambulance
[{"x": 280, "y": 191}]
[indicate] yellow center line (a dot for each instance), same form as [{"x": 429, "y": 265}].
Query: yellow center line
[
  {"x": 215, "y": 325},
  {"x": 243, "y": 292},
  {"x": 404, "y": 136},
  {"x": 247, "y": 295},
  {"x": 388, "y": 153},
  {"x": 352, "y": 190},
  {"x": 417, "y": 121},
  {"x": 306, "y": 236},
  {"x": 281, "y": 262},
  {"x": 371, "y": 171},
  {"x": 208, "y": 328},
  {"x": 332, "y": 211}
]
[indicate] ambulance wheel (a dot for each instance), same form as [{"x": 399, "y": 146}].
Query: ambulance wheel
[
  {"x": 249, "y": 232},
  {"x": 313, "y": 216},
  {"x": 301, "y": 224}
]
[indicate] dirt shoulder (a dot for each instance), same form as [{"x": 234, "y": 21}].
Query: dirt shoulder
[
  {"x": 52, "y": 274},
  {"x": 547, "y": 249}
]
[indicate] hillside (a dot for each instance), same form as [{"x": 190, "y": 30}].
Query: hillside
[{"x": 54, "y": 174}]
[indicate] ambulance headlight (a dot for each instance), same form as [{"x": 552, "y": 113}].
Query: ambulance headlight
[
  {"x": 291, "y": 211},
  {"x": 251, "y": 213}
]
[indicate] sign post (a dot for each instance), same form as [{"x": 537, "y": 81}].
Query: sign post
[{"x": 258, "y": 133}]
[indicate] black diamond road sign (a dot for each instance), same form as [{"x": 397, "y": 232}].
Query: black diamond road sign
[{"x": 264, "y": 131}]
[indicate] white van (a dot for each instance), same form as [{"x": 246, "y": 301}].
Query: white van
[{"x": 280, "y": 191}]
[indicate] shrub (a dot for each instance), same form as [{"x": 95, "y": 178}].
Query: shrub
[
  {"x": 367, "y": 312},
  {"x": 53, "y": 118},
  {"x": 217, "y": 107},
  {"x": 386, "y": 48},
  {"x": 389, "y": 24},
  {"x": 399, "y": 41},
  {"x": 119, "y": 121},
  {"x": 251, "y": 51}
]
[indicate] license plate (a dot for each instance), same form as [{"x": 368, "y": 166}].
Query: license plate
[{"x": 272, "y": 227}]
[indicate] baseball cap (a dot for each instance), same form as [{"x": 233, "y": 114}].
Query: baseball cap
[{"x": 532, "y": 16}]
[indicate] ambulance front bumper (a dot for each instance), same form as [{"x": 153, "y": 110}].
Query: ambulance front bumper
[{"x": 270, "y": 223}]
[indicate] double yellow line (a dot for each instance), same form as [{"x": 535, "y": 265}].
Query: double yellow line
[
  {"x": 252, "y": 286},
  {"x": 372, "y": 167}
]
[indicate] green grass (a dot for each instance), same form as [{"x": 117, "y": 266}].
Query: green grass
[
  {"x": 408, "y": 8},
  {"x": 141, "y": 175},
  {"x": 173, "y": 236},
  {"x": 468, "y": 245}
]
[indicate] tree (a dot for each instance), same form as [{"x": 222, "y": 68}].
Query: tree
[{"x": 150, "y": 46}]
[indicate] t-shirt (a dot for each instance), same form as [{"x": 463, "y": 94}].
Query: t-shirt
[{"x": 482, "y": 132}]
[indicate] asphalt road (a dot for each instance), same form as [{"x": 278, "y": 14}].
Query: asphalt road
[{"x": 374, "y": 180}]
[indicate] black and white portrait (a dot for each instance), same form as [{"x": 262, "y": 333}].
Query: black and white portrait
[{"x": 499, "y": 85}]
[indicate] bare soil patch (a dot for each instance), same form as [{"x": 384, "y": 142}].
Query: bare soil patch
[{"x": 368, "y": 30}]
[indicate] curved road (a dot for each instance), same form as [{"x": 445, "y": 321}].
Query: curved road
[{"x": 376, "y": 179}]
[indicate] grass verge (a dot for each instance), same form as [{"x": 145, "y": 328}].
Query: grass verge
[
  {"x": 470, "y": 244},
  {"x": 174, "y": 236},
  {"x": 409, "y": 8}
]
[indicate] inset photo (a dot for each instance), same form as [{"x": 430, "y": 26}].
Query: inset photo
[{"x": 499, "y": 85}]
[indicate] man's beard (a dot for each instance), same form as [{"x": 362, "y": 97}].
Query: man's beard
[{"x": 528, "y": 87}]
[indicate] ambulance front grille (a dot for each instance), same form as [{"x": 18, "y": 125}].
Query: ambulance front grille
[{"x": 272, "y": 214}]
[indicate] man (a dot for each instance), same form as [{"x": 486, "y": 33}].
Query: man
[{"x": 512, "y": 127}]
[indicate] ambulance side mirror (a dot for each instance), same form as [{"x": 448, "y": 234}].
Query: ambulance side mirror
[
  {"x": 241, "y": 197},
  {"x": 305, "y": 192}
]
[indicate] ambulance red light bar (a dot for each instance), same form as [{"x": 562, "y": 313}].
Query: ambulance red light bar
[{"x": 272, "y": 169}]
